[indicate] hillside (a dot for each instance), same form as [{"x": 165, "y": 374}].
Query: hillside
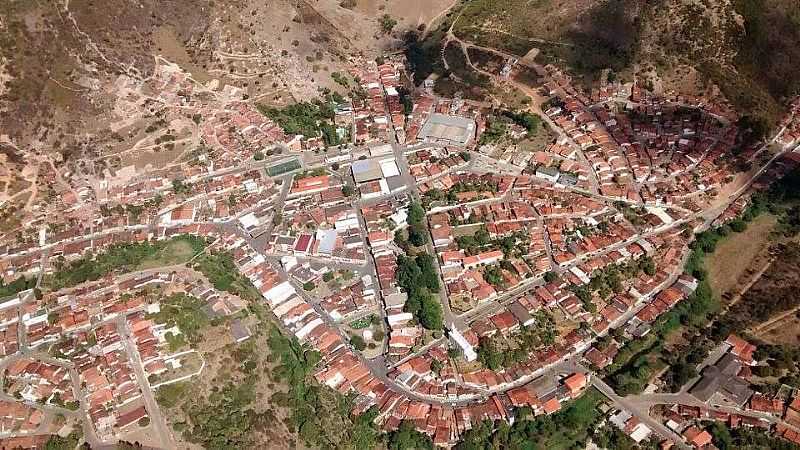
[
  {"x": 59, "y": 60},
  {"x": 746, "y": 48}
]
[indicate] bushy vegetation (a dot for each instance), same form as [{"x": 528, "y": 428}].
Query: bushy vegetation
[
  {"x": 567, "y": 429},
  {"x": 460, "y": 68},
  {"x": 424, "y": 55},
  {"x": 771, "y": 47},
  {"x": 230, "y": 416},
  {"x": 225, "y": 419},
  {"x": 472, "y": 244},
  {"x": 497, "y": 126},
  {"x": 310, "y": 119},
  {"x": 697, "y": 315},
  {"x": 418, "y": 278},
  {"x": 782, "y": 361},
  {"x": 321, "y": 416},
  {"x": 56, "y": 442},
  {"x": 743, "y": 438},
  {"x": 406, "y": 437},
  {"x": 387, "y": 23},
  {"x": 496, "y": 356},
  {"x": 20, "y": 284},
  {"x": 170, "y": 395},
  {"x": 187, "y": 313},
  {"x": 640, "y": 358},
  {"x": 221, "y": 271},
  {"x": 605, "y": 37},
  {"x": 116, "y": 258},
  {"x": 417, "y": 232},
  {"x": 436, "y": 195}
]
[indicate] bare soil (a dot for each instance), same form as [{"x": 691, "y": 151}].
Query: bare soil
[{"x": 740, "y": 255}]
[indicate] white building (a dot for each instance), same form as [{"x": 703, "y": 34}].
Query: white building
[{"x": 458, "y": 339}]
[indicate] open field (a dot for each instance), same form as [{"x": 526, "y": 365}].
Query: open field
[
  {"x": 175, "y": 252},
  {"x": 773, "y": 294},
  {"x": 737, "y": 255}
]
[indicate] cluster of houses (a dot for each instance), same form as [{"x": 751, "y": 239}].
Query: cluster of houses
[
  {"x": 82, "y": 325},
  {"x": 654, "y": 153},
  {"x": 38, "y": 381},
  {"x": 137, "y": 210},
  {"x": 723, "y": 384},
  {"x": 663, "y": 146},
  {"x": 382, "y": 220},
  {"x": 318, "y": 221},
  {"x": 107, "y": 379},
  {"x": 429, "y": 164},
  {"x": 21, "y": 420},
  {"x": 380, "y": 109}
]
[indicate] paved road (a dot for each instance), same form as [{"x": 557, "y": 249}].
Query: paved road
[
  {"x": 157, "y": 420},
  {"x": 643, "y": 414}
]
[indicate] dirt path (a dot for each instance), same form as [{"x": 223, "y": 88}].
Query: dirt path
[
  {"x": 750, "y": 284},
  {"x": 434, "y": 19},
  {"x": 766, "y": 326},
  {"x": 131, "y": 71}
]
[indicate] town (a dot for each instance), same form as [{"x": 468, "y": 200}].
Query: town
[{"x": 450, "y": 261}]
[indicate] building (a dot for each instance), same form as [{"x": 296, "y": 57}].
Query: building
[
  {"x": 548, "y": 173},
  {"x": 453, "y": 130},
  {"x": 466, "y": 348},
  {"x": 721, "y": 381},
  {"x": 366, "y": 170}
]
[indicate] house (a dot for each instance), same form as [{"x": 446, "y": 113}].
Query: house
[
  {"x": 722, "y": 382},
  {"x": 742, "y": 349},
  {"x": 696, "y": 437},
  {"x": 492, "y": 257},
  {"x": 505, "y": 322},
  {"x": 459, "y": 340},
  {"x": 310, "y": 185},
  {"x": 239, "y": 331},
  {"x": 551, "y": 406},
  {"x": 366, "y": 170},
  {"x": 521, "y": 314},
  {"x": 575, "y": 383}
]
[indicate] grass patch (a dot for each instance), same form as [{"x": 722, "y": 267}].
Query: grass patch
[
  {"x": 734, "y": 255},
  {"x": 175, "y": 252},
  {"x": 120, "y": 258},
  {"x": 282, "y": 168}
]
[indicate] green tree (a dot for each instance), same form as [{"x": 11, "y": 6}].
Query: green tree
[
  {"x": 416, "y": 214},
  {"x": 358, "y": 342},
  {"x": 407, "y": 438},
  {"x": 387, "y": 23},
  {"x": 431, "y": 315},
  {"x": 417, "y": 235}
]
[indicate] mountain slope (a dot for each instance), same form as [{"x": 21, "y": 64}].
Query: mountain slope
[{"x": 746, "y": 48}]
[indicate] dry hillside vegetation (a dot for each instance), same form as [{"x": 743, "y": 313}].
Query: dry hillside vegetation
[
  {"x": 59, "y": 60},
  {"x": 745, "y": 47}
]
